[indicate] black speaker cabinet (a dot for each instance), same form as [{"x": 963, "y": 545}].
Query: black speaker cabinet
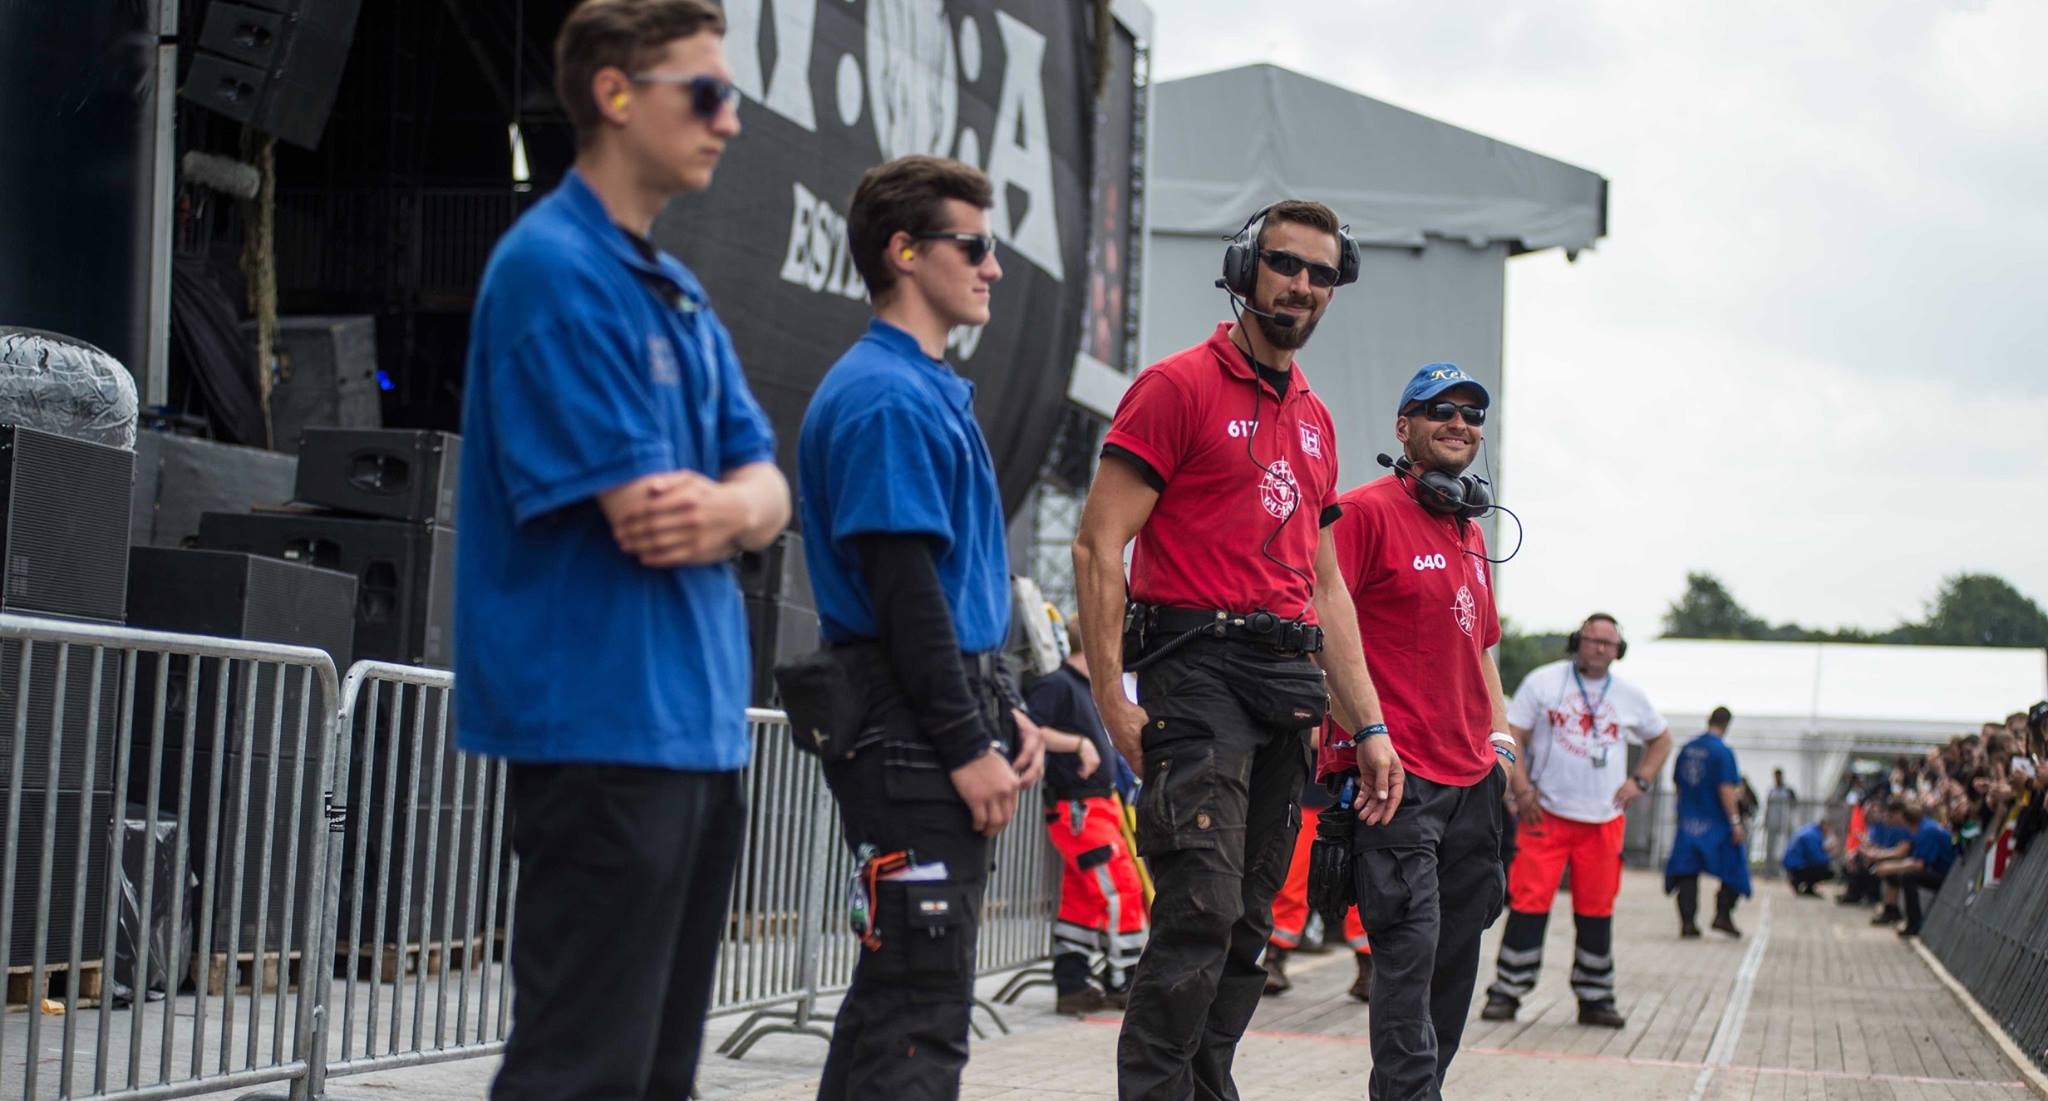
[
  {"x": 405, "y": 573},
  {"x": 78, "y": 726},
  {"x": 179, "y": 477},
  {"x": 67, "y": 880},
  {"x": 395, "y": 473},
  {"x": 458, "y": 845},
  {"x": 232, "y": 594},
  {"x": 782, "y": 618},
  {"x": 64, "y": 516},
  {"x": 326, "y": 376},
  {"x": 235, "y": 813},
  {"x": 274, "y": 65}
]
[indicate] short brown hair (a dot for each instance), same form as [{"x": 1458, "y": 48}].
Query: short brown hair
[
  {"x": 1719, "y": 719},
  {"x": 907, "y": 195},
  {"x": 1305, "y": 212},
  {"x": 626, "y": 35}
]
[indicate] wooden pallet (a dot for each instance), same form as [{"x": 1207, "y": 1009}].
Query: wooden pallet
[
  {"x": 56, "y": 985},
  {"x": 247, "y": 970},
  {"x": 389, "y": 961}
]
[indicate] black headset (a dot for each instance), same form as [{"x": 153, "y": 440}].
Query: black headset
[
  {"x": 1241, "y": 256},
  {"x": 1571, "y": 643},
  {"x": 1465, "y": 496}
]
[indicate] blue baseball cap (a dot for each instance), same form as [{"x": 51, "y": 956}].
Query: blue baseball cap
[{"x": 1435, "y": 378}]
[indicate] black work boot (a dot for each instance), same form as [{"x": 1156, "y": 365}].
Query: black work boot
[
  {"x": 1361, "y": 987},
  {"x": 1276, "y": 970},
  {"x": 1078, "y": 1003},
  {"x": 1499, "y": 1007},
  {"x": 1601, "y": 1014}
]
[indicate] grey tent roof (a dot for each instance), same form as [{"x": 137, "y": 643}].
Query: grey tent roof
[{"x": 1224, "y": 144}]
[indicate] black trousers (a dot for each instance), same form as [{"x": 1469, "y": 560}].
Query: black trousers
[
  {"x": 1217, "y": 820},
  {"x": 901, "y": 1032},
  {"x": 1909, "y": 886},
  {"x": 625, "y": 874},
  {"x": 1801, "y": 878},
  {"x": 1686, "y": 892},
  {"x": 1429, "y": 883}
]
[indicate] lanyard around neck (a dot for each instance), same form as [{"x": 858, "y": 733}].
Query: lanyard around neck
[{"x": 1592, "y": 708}]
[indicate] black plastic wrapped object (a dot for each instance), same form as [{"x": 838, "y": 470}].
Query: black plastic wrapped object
[
  {"x": 57, "y": 384},
  {"x": 168, "y": 944}
]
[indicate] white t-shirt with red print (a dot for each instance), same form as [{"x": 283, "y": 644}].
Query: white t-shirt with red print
[{"x": 1579, "y": 728}]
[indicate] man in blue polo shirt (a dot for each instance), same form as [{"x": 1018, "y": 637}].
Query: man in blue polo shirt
[
  {"x": 614, "y": 461},
  {"x": 905, "y": 545},
  {"x": 1809, "y": 858},
  {"x": 1710, "y": 836},
  {"x": 1925, "y": 865}
]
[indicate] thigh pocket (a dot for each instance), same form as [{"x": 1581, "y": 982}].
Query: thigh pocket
[
  {"x": 1177, "y": 806},
  {"x": 1384, "y": 896},
  {"x": 939, "y": 935}
]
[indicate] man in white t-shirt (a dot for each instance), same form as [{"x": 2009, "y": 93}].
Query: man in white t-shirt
[{"x": 1573, "y": 720}]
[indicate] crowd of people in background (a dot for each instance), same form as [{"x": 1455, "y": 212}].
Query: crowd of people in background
[{"x": 1906, "y": 827}]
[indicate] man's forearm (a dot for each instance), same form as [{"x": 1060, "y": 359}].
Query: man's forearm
[
  {"x": 765, "y": 493},
  {"x": 1099, "y": 587},
  {"x": 1355, "y": 702},
  {"x": 1652, "y": 764}
]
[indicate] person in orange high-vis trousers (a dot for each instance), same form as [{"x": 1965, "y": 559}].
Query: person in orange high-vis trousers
[{"x": 1291, "y": 908}]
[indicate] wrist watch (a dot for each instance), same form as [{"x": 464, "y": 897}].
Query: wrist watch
[{"x": 1642, "y": 785}]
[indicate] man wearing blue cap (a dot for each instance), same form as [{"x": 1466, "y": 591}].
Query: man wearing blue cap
[{"x": 1428, "y": 881}]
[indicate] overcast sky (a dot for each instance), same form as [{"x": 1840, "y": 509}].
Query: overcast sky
[{"x": 1811, "y": 358}]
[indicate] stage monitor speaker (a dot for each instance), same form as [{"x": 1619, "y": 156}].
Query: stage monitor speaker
[
  {"x": 405, "y": 573},
  {"x": 395, "y": 473},
  {"x": 179, "y": 477},
  {"x": 67, "y": 880},
  {"x": 64, "y": 507},
  {"x": 326, "y": 376},
  {"x": 233, "y": 594},
  {"x": 274, "y": 65}
]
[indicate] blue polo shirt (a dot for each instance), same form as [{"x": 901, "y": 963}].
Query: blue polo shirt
[
  {"x": 1808, "y": 849},
  {"x": 1933, "y": 847},
  {"x": 1885, "y": 834},
  {"x": 592, "y": 364},
  {"x": 890, "y": 446},
  {"x": 1703, "y": 766}
]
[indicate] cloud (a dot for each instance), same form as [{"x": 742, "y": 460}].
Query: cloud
[{"x": 1810, "y": 357}]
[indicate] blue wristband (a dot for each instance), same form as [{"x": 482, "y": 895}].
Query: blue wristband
[{"x": 1372, "y": 729}]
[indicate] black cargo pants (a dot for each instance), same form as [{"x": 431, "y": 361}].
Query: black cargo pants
[
  {"x": 901, "y": 1032},
  {"x": 1429, "y": 883},
  {"x": 1225, "y": 756}
]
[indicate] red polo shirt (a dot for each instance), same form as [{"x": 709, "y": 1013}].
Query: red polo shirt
[
  {"x": 1192, "y": 417},
  {"x": 1425, "y": 611}
]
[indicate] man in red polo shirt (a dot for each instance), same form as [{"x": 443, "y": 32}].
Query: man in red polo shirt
[
  {"x": 1428, "y": 882},
  {"x": 1221, "y": 463}
]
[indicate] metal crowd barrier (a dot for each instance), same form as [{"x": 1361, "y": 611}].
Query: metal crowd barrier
[
  {"x": 384, "y": 855},
  {"x": 1994, "y": 941},
  {"x": 133, "y": 868}
]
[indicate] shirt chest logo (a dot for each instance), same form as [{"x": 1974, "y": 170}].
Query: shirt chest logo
[
  {"x": 1277, "y": 490},
  {"x": 1466, "y": 610},
  {"x": 661, "y": 361},
  {"x": 1311, "y": 440}
]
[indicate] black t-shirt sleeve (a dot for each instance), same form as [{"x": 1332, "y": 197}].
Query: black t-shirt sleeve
[
  {"x": 1050, "y": 704},
  {"x": 1330, "y": 515},
  {"x": 1145, "y": 471},
  {"x": 916, "y": 628}
]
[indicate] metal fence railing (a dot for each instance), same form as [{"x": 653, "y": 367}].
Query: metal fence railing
[
  {"x": 1994, "y": 940},
  {"x": 161, "y": 801},
  {"x": 225, "y": 867}
]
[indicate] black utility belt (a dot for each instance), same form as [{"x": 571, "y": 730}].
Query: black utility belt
[
  {"x": 832, "y": 694},
  {"x": 1155, "y": 625}
]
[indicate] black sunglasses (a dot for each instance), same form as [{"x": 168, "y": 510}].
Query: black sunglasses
[
  {"x": 1286, "y": 265},
  {"x": 977, "y": 246},
  {"x": 1475, "y": 415},
  {"x": 708, "y": 94}
]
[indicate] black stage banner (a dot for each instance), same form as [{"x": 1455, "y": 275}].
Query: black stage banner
[{"x": 832, "y": 87}]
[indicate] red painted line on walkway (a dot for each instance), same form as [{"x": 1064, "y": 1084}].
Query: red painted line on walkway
[{"x": 1629, "y": 1060}]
